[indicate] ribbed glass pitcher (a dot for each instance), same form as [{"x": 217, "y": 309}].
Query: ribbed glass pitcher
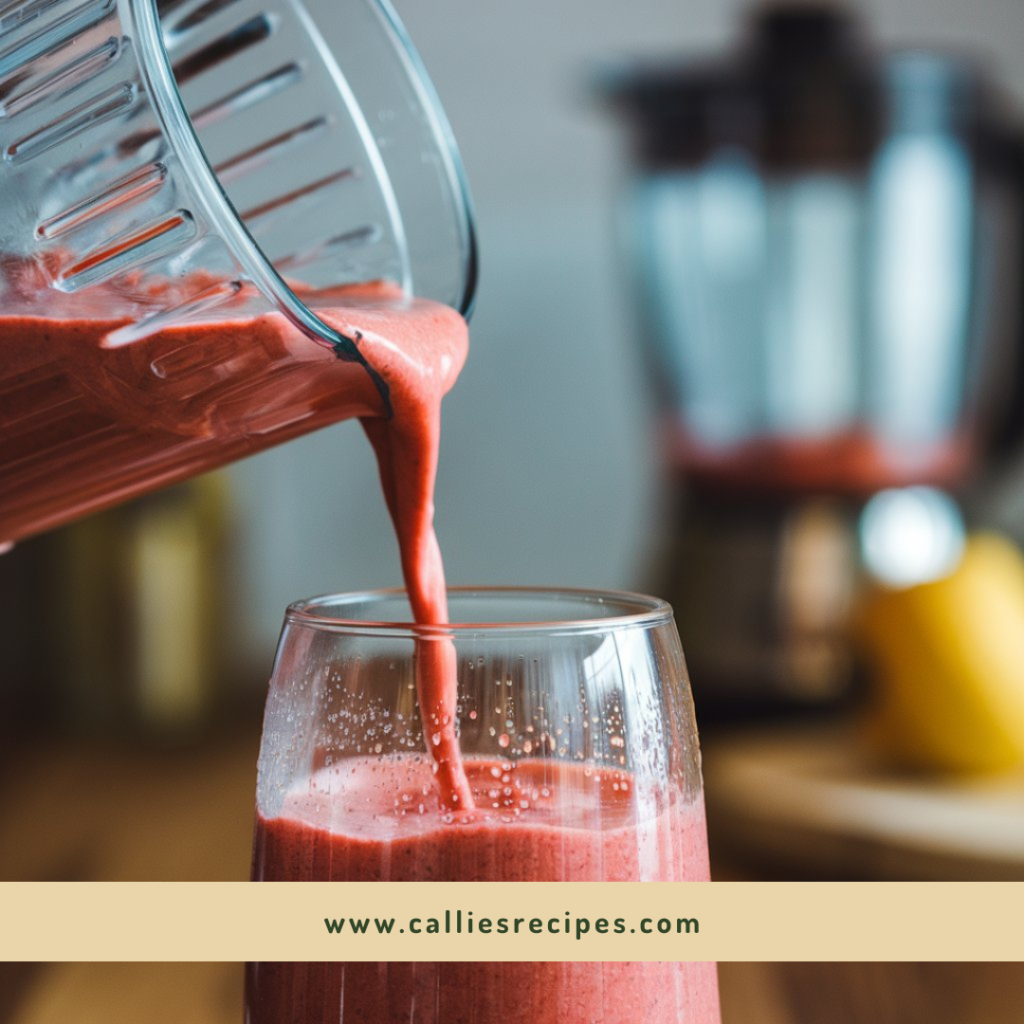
[{"x": 184, "y": 185}]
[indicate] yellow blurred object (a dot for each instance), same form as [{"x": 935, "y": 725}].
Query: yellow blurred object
[
  {"x": 949, "y": 663},
  {"x": 143, "y": 610}
]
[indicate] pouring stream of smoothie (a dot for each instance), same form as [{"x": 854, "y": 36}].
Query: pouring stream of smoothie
[
  {"x": 85, "y": 425},
  {"x": 419, "y": 373}
]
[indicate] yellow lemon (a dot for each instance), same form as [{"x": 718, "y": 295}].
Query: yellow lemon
[{"x": 948, "y": 660}]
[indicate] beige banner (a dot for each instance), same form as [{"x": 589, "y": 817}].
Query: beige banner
[{"x": 511, "y": 921}]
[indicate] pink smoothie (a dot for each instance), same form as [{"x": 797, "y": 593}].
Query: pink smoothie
[
  {"x": 365, "y": 820},
  {"x": 482, "y": 993}
]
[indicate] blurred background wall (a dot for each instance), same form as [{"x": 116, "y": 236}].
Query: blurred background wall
[{"x": 548, "y": 474}]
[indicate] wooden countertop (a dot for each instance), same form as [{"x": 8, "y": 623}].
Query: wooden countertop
[
  {"x": 86, "y": 810},
  {"x": 812, "y": 802},
  {"x": 99, "y": 810},
  {"x": 102, "y": 810},
  {"x": 757, "y": 993}
]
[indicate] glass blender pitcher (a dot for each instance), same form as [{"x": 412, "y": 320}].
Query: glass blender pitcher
[{"x": 185, "y": 184}]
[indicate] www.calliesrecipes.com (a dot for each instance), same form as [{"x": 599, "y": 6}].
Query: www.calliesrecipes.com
[{"x": 463, "y": 923}]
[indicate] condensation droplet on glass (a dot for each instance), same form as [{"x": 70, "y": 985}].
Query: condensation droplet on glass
[
  {"x": 436, "y": 739},
  {"x": 503, "y": 740}
]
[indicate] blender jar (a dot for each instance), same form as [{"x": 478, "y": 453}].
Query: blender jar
[{"x": 184, "y": 185}]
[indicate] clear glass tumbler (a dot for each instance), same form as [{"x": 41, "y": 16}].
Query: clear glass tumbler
[{"x": 577, "y": 733}]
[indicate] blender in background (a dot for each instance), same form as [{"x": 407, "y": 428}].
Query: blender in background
[{"x": 825, "y": 246}]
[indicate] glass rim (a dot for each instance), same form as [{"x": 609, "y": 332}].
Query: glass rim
[{"x": 629, "y": 610}]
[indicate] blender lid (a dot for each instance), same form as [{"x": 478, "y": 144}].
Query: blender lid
[{"x": 804, "y": 88}]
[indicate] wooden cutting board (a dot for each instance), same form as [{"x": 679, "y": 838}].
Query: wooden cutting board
[{"x": 811, "y": 802}]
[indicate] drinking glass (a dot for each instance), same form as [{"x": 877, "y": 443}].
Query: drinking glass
[{"x": 576, "y": 729}]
